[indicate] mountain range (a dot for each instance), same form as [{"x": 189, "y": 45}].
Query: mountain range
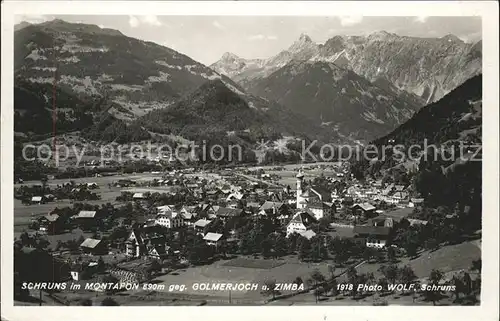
[
  {"x": 117, "y": 88},
  {"x": 426, "y": 67}
]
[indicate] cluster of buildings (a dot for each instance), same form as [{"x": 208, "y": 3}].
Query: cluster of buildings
[
  {"x": 227, "y": 197},
  {"x": 390, "y": 194}
]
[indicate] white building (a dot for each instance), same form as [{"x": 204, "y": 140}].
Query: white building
[
  {"x": 213, "y": 238},
  {"x": 169, "y": 220},
  {"x": 375, "y": 236},
  {"x": 300, "y": 223}
]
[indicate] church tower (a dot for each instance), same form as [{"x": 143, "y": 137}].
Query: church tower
[{"x": 300, "y": 199}]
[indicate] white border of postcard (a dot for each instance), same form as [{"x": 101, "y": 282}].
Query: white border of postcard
[{"x": 488, "y": 10}]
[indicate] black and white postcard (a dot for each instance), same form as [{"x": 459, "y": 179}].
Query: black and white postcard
[{"x": 192, "y": 156}]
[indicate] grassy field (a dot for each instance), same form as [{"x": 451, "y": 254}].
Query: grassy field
[
  {"x": 253, "y": 263},
  {"x": 24, "y": 213},
  {"x": 221, "y": 272},
  {"x": 447, "y": 259}
]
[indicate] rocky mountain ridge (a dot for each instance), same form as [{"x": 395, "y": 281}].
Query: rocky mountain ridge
[{"x": 426, "y": 67}]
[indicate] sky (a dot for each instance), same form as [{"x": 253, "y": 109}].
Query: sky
[{"x": 207, "y": 38}]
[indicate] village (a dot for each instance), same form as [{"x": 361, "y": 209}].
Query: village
[{"x": 310, "y": 224}]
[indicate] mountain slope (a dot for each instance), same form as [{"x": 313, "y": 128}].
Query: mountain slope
[
  {"x": 216, "y": 110},
  {"x": 91, "y": 62},
  {"x": 426, "y": 67},
  {"x": 446, "y": 140},
  {"x": 339, "y": 98},
  {"x": 439, "y": 148},
  {"x": 455, "y": 117}
]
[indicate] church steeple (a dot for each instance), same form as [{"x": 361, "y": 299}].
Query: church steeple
[{"x": 300, "y": 179}]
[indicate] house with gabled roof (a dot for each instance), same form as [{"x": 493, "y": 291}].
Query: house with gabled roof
[
  {"x": 375, "y": 236},
  {"x": 364, "y": 210},
  {"x": 157, "y": 251},
  {"x": 300, "y": 222},
  {"x": 87, "y": 219},
  {"x": 399, "y": 188},
  {"x": 416, "y": 202},
  {"x": 93, "y": 246},
  {"x": 227, "y": 212},
  {"x": 271, "y": 208},
  {"x": 213, "y": 239},
  {"x": 141, "y": 240},
  {"x": 169, "y": 219},
  {"x": 309, "y": 234},
  {"x": 37, "y": 200},
  {"x": 86, "y": 214},
  {"x": 165, "y": 208},
  {"x": 388, "y": 190},
  {"x": 50, "y": 224},
  {"x": 237, "y": 195},
  {"x": 253, "y": 205},
  {"x": 139, "y": 196},
  {"x": 199, "y": 225}
]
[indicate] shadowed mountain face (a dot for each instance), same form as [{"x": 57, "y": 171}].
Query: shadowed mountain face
[
  {"x": 338, "y": 98},
  {"x": 426, "y": 67},
  {"x": 455, "y": 117},
  {"x": 214, "y": 109},
  {"x": 442, "y": 145}
]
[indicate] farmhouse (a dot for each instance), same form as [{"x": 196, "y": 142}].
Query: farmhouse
[
  {"x": 199, "y": 226},
  {"x": 375, "y": 236},
  {"x": 227, "y": 212},
  {"x": 321, "y": 209},
  {"x": 51, "y": 224},
  {"x": 86, "y": 215},
  {"x": 238, "y": 196},
  {"x": 188, "y": 215},
  {"x": 388, "y": 189},
  {"x": 139, "y": 196},
  {"x": 364, "y": 210},
  {"x": 309, "y": 234},
  {"x": 37, "y": 200},
  {"x": 271, "y": 208},
  {"x": 213, "y": 238},
  {"x": 86, "y": 219},
  {"x": 92, "y": 185},
  {"x": 158, "y": 251},
  {"x": 381, "y": 220},
  {"x": 165, "y": 208},
  {"x": 416, "y": 202},
  {"x": 93, "y": 246},
  {"x": 300, "y": 222}
]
